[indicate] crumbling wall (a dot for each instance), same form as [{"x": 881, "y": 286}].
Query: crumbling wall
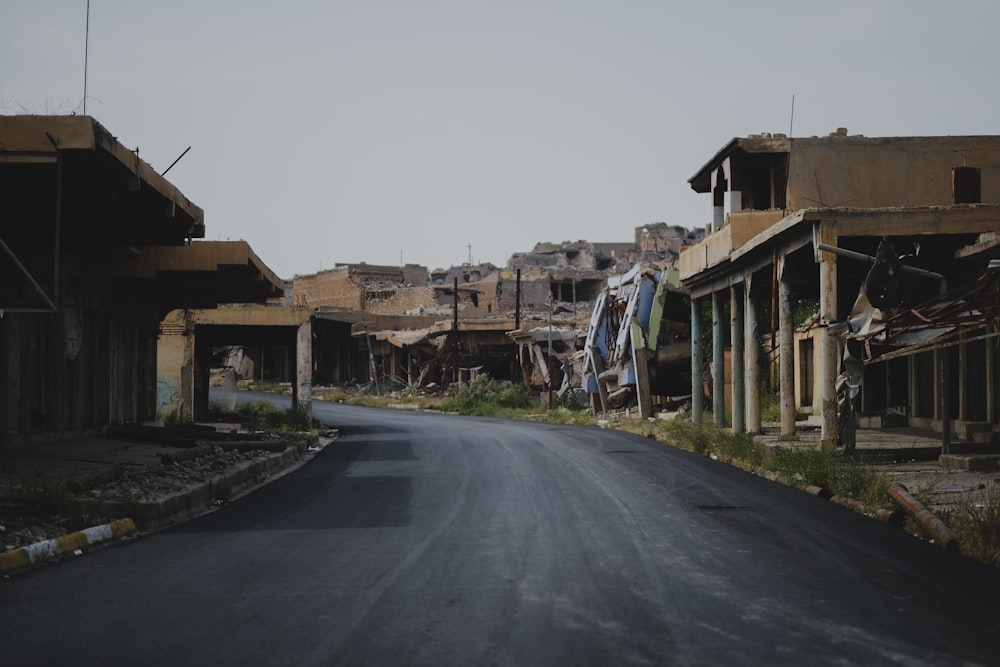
[
  {"x": 415, "y": 275},
  {"x": 408, "y": 300},
  {"x": 359, "y": 287},
  {"x": 328, "y": 289},
  {"x": 661, "y": 243},
  {"x": 466, "y": 273}
]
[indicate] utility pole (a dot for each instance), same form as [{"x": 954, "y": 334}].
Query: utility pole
[
  {"x": 549, "y": 301},
  {"x": 517, "y": 301}
]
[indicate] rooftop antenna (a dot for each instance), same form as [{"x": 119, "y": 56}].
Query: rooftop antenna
[{"x": 86, "y": 54}]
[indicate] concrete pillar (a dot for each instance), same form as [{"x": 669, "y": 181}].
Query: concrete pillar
[
  {"x": 736, "y": 326},
  {"x": 963, "y": 370},
  {"x": 990, "y": 375},
  {"x": 752, "y": 370},
  {"x": 786, "y": 365},
  {"x": 697, "y": 360},
  {"x": 12, "y": 372},
  {"x": 201, "y": 373},
  {"x": 718, "y": 363},
  {"x": 175, "y": 368},
  {"x": 828, "y": 347},
  {"x": 303, "y": 367}
]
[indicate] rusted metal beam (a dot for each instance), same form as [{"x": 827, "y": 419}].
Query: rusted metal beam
[{"x": 924, "y": 518}]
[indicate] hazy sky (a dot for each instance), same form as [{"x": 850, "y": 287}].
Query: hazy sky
[{"x": 333, "y": 131}]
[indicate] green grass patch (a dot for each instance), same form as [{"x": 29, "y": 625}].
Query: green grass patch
[
  {"x": 263, "y": 416},
  {"x": 799, "y": 466},
  {"x": 487, "y": 397}
]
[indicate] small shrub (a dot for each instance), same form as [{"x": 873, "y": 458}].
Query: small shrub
[
  {"x": 485, "y": 396},
  {"x": 297, "y": 418}
]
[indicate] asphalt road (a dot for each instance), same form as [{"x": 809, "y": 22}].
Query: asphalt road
[{"x": 430, "y": 539}]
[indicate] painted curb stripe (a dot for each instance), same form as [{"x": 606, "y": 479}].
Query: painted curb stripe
[{"x": 33, "y": 553}]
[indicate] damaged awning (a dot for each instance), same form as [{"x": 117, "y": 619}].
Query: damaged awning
[{"x": 937, "y": 323}]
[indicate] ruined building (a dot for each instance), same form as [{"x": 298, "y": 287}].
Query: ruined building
[
  {"x": 414, "y": 327},
  {"x": 795, "y": 227},
  {"x": 96, "y": 249}
]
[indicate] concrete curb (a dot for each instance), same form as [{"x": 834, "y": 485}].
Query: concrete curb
[
  {"x": 157, "y": 514},
  {"x": 24, "y": 557},
  {"x": 150, "y": 515}
]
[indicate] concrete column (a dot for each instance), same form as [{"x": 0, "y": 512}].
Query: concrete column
[
  {"x": 736, "y": 326},
  {"x": 12, "y": 370},
  {"x": 175, "y": 368},
  {"x": 303, "y": 367},
  {"x": 718, "y": 363},
  {"x": 828, "y": 347},
  {"x": 697, "y": 360},
  {"x": 990, "y": 375},
  {"x": 963, "y": 370},
  {"x": 786, "y": 365},
  {"x": 752, "y": 351}
]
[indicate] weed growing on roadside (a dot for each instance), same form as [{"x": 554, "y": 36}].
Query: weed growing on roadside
[
  {"x": 976, "y": 523},
  {"x": 691, "y": 435},
  {"x": 800, "y": 466},
  {"x": 332, "y": 394},
  {"x": 42, "y": 496},
  {"x": 564, "y": 415},
  {"x": 263, "y": 416}
]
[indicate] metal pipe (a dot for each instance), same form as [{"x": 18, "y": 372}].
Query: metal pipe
[
  {"x": 186, "y": 152},
  {"x": 931, "y": 524},
  {"x": 861, "y": 257}
]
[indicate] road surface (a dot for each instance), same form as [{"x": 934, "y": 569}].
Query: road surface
[{"x": 430, "y": 539}]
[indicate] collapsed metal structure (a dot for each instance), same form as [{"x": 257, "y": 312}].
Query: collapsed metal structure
[{"x": 638, "y": 349}]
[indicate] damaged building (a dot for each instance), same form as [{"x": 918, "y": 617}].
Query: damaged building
[
  {"x": 411, "y": 328},
  {"x": 96, "y": 248},
  {"x": 824, "y": 250}
]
